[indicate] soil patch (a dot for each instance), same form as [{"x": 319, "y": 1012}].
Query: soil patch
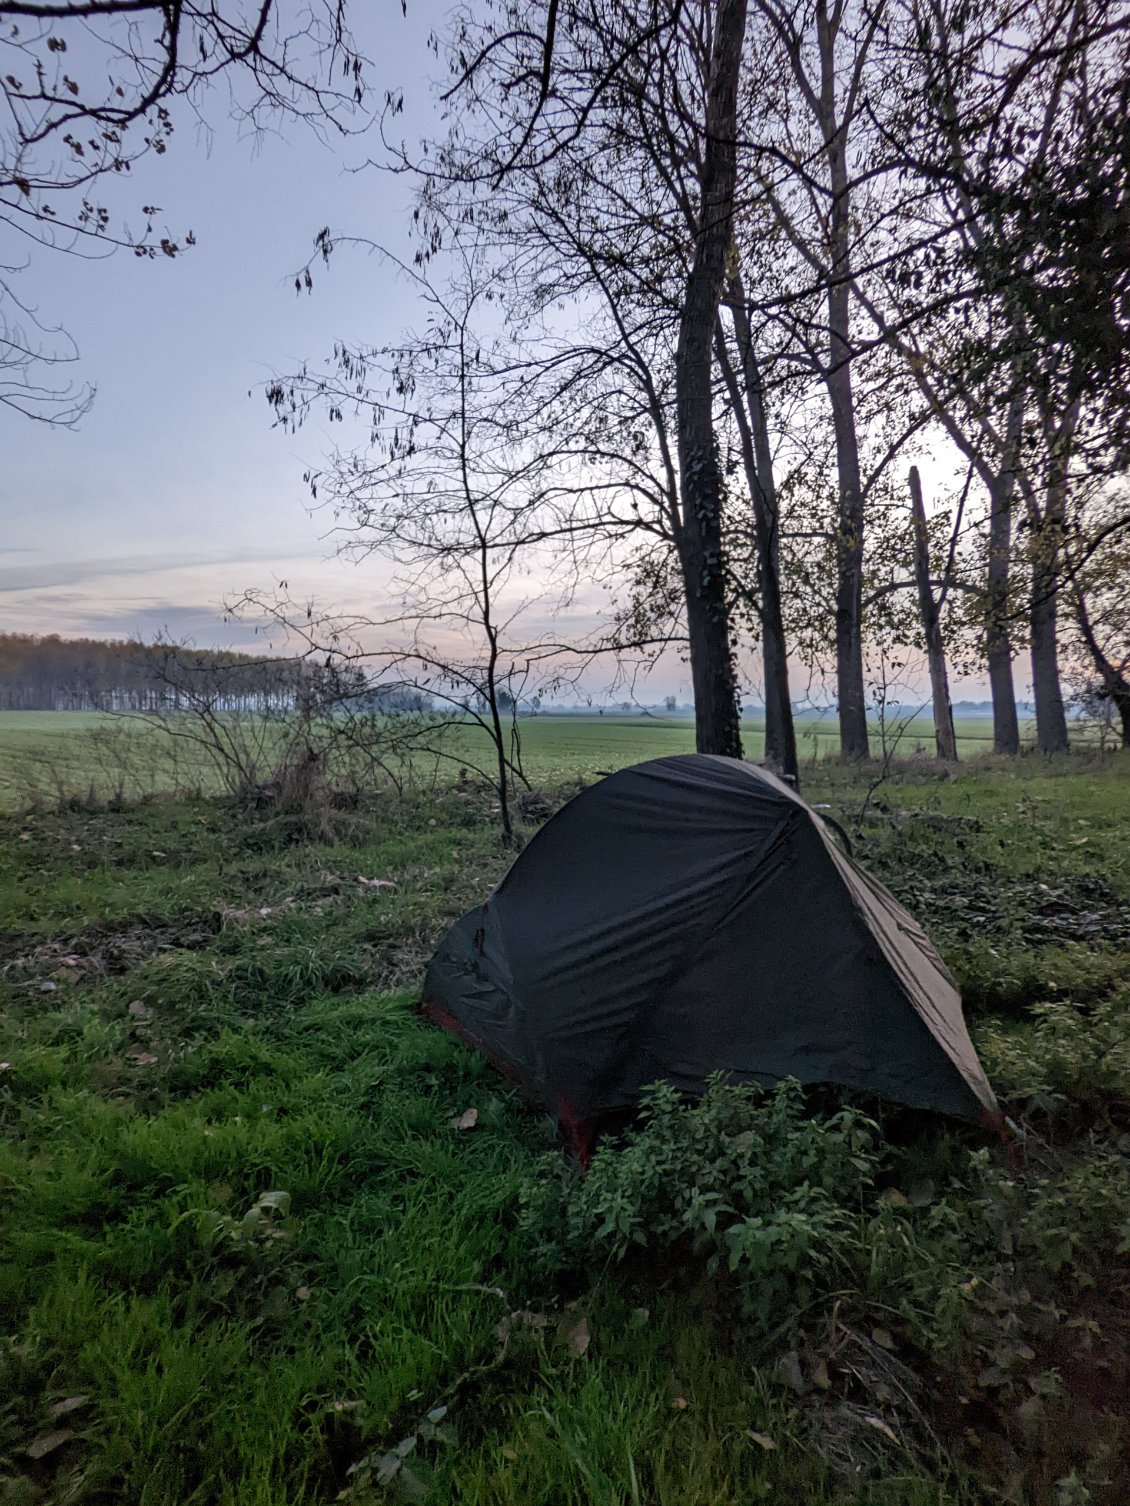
[{"x": 107, "y": 948}]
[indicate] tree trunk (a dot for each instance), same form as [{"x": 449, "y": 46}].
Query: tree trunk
[
  {"x": 713, "y": 667},
  {"x": 998, "y": 644},
  {"x": 1051, "y": 719},
  {"x": 944, "y": 740},
  {"x": 1046, "y": 543},
  {"x": 748, "y": 402},
  {"x": 850, "y": 689},
  {"x": 1116, "y": 686}
]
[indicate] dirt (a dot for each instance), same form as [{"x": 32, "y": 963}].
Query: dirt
[{"x": 108, "y": 948}]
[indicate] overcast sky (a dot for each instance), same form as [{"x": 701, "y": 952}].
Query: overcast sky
[{"x": 175, "y": 493}]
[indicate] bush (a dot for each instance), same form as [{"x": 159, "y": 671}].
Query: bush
[
  {"x": 743, "y": 1178},
  {"x": 1066, "y": 1062},
  {"x": 795, "y": 1212}
]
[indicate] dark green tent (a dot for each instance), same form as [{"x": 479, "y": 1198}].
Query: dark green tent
[{"x": 692, "y": 915}]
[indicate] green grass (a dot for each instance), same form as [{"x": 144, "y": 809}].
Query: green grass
[
  {"x": 47, "y": 757},
  {"x": 172, "y": 1055}
]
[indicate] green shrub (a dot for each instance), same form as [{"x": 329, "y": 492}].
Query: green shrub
[
  {"x": 1065, "y": 1061},
  {"x": 744, "y": 1178}
]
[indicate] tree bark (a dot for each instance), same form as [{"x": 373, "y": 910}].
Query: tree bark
[
  {"x": 998, "y": 643},
  {"x": 1116, "y": 685},
  {"x": 944, "y": 739},
  {"x": 1046, "y": 543},
  {"x": 713, "y": 667},
  {"x": 1051, "y": 719},
  {"x": 748, "y": 401},
  {"x": 850, "y": 689}
]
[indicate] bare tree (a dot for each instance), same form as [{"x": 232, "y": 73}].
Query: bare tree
[{"x": 450, "y": 487}]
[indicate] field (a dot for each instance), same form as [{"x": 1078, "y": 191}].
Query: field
[
  {"x": 254, "y": 1251},
  {"x": 47, "y": 756}
]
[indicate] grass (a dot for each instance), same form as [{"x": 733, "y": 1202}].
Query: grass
[
  {"x": 48, "y": 757},
  {"x": 243, "y": 1250}
]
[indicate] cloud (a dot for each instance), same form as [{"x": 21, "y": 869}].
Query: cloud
[{"x": 42, "y": 576}]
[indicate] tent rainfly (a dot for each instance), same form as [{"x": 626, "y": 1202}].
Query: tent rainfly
[{"x": 692, "y": 915}]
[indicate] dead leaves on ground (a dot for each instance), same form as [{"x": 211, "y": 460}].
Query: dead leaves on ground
[{"x": 570, "y": 1328}]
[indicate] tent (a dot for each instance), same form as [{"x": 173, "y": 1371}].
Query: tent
[{"x": 692, "y": 915}]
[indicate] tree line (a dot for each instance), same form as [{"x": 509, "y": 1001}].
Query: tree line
[
  {"x": 803, "y": 325},
  {"x": 87, "y": 674}
]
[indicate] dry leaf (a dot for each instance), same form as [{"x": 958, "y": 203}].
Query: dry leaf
[
  {"x": 139, "y": 1010},
  {"x": 680, "y": 1403},
  {"x": 69, "y": 1404},
  {"x": 763, "y": 1440},
  {"x": 466, "y": 1120},
  {"x": 142, "y": 1058},
  {"x": 787, "y": 1370},
  {"x": 508, "y": 1452},
  {"x": 573, "y": 1327},
  {"x": 5, "y": 1066},
  {"x": 820, "y": 1376},
  {"x": 47, "y": 1443},
  {"x": 375, "y": 883},
  {"x": 303, "y": 1294},
  {"x": 881, "y": 1337},
  {"x": 881, "y": 1427}
]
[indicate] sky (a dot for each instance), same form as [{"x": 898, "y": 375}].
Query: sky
[{"x": 175, "y": 493}]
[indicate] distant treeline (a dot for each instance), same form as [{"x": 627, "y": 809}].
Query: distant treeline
[{"x": 86, "y": 674}]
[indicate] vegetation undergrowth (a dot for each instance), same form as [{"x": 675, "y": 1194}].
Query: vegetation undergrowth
[{"x": 254, "y": 1247}]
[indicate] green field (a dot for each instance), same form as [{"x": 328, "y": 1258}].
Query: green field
[
  {"x": 249, "y": 1257},
  {"x": 45, "y": 756}
]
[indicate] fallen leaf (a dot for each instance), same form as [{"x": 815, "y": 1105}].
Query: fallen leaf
[
  {"x": 303, "y": 1294},
  {"x": 881, "y": 1337},
  {"x": 762, "y": 1440},
  {"x": 787, "y": 1370},
  {"x": 639, "y": 1317},
  {"x": 278, "y": 1202},
  {"x": 5, "y": 1066},
  {"x": 881, "y": 1427},
  {"x": 347, "y": 1406},
  {"x": 142, "y": 1058},
  {"x": 820, "y": 1376},
  {"x": 47, "y": 1443},
  {"x": 574, "y": 1329},
  {"x": 680, "y": 1403},
  {"x": 139, "y": 1010},
  {"x": 466, "y": 1120},
  {"x": 375, "y": 883},
  {"x": 68, "y": 1404},
  {"x": 508, "y": 1452},
  {"x": 47, "y": 987}
]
